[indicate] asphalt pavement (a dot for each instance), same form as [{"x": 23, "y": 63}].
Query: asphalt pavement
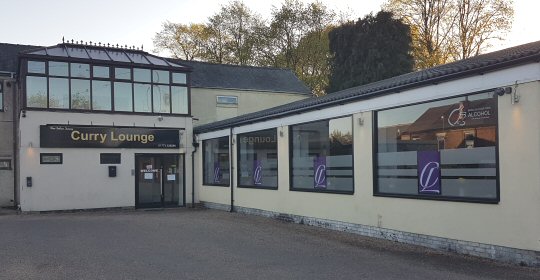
[{"x": 211, "y": 244}]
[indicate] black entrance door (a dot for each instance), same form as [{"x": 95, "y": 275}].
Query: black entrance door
[{"x": 159, "y": 180}]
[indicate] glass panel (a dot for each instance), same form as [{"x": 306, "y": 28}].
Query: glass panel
[
  {"x": 36, "y": 91},
  {"x": 216, "y": 161},
  {"x": 172, "y": 176},
  {"x": 179, "y": 78},
  {"x": 229, "y": 100},
  {"x": 180, "y": 100},
  {"x": 101, "y": 72},
  {"x": 137, "y": 58},
  {"x": 322, "y": 155},
  {"x": 36, "y": 67},
  {"x": 161, "y": 99},
  {"x": 58, "y": 68},
  {"x": 160, "y": 77},
  {"x": 258, "y": 162},
  {"x": 118, "y": 56},
  {"x": 156, "y": 61},
  {"x": 57, "y": 51},
  {"x": 122, "y": 73},
  {"x": 58, "y": 93},
  {"x": 444, "y": 148},
  {"x": 1, "y": 98},
  {"x": 98, "y": 54},
  {"x": 123, "y": 97},
  {"x": 79, "y": 70},
  {"x": 143, "y": 97},
  {"x": 101, "y": 95},
  {"x": 80, "y": 94},
  {"x": 141, "y": 75},
  {"x": 77, "y": 52}
]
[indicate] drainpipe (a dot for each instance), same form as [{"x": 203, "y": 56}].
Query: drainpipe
[
  {"x": 195, "y": 146},
  {"x": 231, "y": 169}
]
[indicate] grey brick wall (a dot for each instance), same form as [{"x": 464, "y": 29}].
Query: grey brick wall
[{"x": 500, "y": 253}]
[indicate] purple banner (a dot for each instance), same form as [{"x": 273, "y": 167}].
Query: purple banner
[
  {"x": 429, "y": 172},
  {"x": 257, "y": 172},
  {"x": 319, "y": 172},
  {"x": 218, "y": 175}
]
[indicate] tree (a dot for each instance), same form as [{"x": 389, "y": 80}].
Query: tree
[
  {"x": 183, "y": 41},
  {"x": 478, "y": 22},
  {"x": 369, "y": 50},
  {"x": 445, "y": 30}
]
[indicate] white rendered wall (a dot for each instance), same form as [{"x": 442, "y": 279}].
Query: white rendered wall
[
  {"x": 81, "y": 182},
  {"x": 513, "y": 222}
]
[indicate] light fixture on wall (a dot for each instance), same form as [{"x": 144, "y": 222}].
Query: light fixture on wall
[
  {"x": 502, "y": 91},
  {"x": 281, "y": 131},
  {"x": 30, "y": 144},
  {"x": 360, "y": 121}
]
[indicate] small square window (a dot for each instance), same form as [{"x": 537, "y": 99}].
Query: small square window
[
  {"x": 101, "y": 72},
  {"x": 37, "y": 67},
  {"x": 109, "y": 158},
  {"x": 5, "y": 164},
  {"x": 50, "y": 158},
  {"x": 122, "y": 73},
  {"x": 227, "y": 100}
]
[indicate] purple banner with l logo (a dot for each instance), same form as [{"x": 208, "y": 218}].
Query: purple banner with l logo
[
  {"x": 319, "y": 170},
  {"x": 217, "y": 173},
  {"x": 257, "y": 172},
  {"x": 429, "y": 172}
]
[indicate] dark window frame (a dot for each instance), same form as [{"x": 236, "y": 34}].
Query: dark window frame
[
  {"x": 2, "y": 97},
  {"x": 262, "y": 187},
  {"x": 112, "y": 79},
  {"x": 375, "y": 146},
  {"x": 291, "y": 188},
  {"x": 204, "y": 183},
  {"x": 103, "y": 160},
  {"x": 51, "y": 154},
  {"x": 10, "y": 164}
]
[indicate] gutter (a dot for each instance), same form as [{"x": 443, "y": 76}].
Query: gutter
[
  {"x": 231, "y": 169},
  {"x": 195, "y": 146}
]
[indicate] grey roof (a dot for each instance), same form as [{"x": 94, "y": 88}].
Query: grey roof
[
  {"x": 522, "y": 54},
  {"x": 9, "y": 56},
  {"x": 223, "y": 76}
]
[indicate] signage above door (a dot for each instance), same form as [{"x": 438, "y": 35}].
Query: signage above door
[{"x": 72, "y": 136}]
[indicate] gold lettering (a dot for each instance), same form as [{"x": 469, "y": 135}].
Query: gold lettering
[
  {"x": 73, "y": 133},
  {"x": 151, "y": 137},
  {"x": 103, "y": 138}
]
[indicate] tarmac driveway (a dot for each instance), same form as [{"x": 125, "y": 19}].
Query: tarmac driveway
[{"x": 210, "y": 244}]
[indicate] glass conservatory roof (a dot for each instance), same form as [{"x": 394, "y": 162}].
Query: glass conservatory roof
[{"x": 104, "y": 54}]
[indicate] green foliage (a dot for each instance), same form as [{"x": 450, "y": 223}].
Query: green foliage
[{"x": 371, "y": 49}]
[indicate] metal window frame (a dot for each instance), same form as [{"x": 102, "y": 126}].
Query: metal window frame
[
  {"x": 292, "y": 188},
  {"x": 51, "y": 154},
  {"x": 227, "y": 96},
  {"x": 204, "y": 182},
  {"x": 262, "y": 187},
  {"x": 375, "y": 145}
]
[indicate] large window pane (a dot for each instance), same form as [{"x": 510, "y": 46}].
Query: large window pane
[
  {"x": 58, "y": 93},
  {"x": 80, "y": 94},
  {"x": 141, "y": 75},
  {"x": 101, "y": 95},
  {"x": 80, "y": 70},
  {"x": 216, "y": 161},
  {"x": 58, "y": 69},
  {"x": 143, "y": 97},
  {"x": 123, "y": 97},
  {"x": 1, "y": 97},
  {"x": 101, "y": 72},
  {"x": 322, "y": 156},
  {"x": 162, "y": 102},
  {"x": 36, "y": 92},
  {"x": 37, "y": 67},
  {"x": 180, "y": 100},
  {"x": 160, "y": 76},
  {"x": 441, "y": 149},
  {"x": 257, "y": 159}
]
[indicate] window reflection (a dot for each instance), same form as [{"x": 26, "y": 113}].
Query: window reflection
[
  {"x": 122, "y": 73},
  {"x": 257, "y": 159},
  {"x": 141, "y": 75},
  {"x": 123, "y": 97},
  {"x": 101, "y": 72},
  {"x": 58, "y": 93},
  {"x": 143, "y": 97},
  {"x": 36, "y": 91},
  {"x": 179, "y": 78},
  {"x": 101, "y": 95},
  {"x": 80, "y": 70},
  {"x": 216, "y": 161},
  {"x": 160, "y": 77},
  {"x": 161, "y": 99},
  {"x": 37, "y": 67},
  {"x": 80, "y": 94}
]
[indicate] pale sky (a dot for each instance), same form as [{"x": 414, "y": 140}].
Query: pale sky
[{"x": 135, "y": 22}]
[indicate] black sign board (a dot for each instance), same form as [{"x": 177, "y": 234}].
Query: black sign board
[{"x": 69, "y": 136}]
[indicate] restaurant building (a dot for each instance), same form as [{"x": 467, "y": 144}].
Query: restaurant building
[{"x": 446, "y": 157}]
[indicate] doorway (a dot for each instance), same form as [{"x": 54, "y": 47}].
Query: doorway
[{"x": 159, "y": 180}]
